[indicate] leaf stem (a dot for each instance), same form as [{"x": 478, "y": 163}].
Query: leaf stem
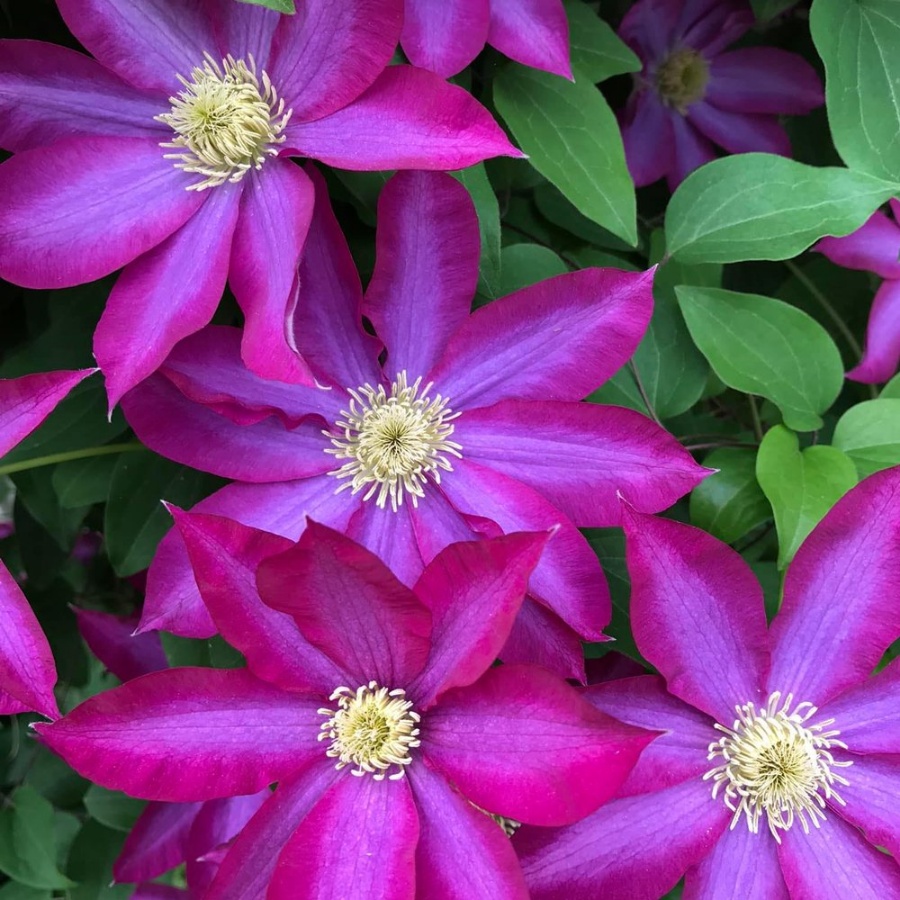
[
  {"x": 757, "y": 424},
  {"x": 641, "y": 390},
  {"x": 54, "y": 458}
]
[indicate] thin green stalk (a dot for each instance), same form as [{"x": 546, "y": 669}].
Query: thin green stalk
[
  {"x": 54, "y": 458},
  {"x": 757, "y": 424}
]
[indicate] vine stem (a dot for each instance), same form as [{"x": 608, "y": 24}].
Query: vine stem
[{"x": 54, "y": 458}]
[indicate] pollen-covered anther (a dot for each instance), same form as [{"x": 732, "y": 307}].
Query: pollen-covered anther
[
  {"x": 778, "y": 765},
  {"x": 373, "y": 729},
  {"x": 227, "y": 120},
  {"x": 393, "y": 441},
  {"x": 681, "y": 78}
]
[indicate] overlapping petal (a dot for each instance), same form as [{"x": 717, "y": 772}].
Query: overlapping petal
[
  {"x": 873, "y": 247},
  {"x": 871, "y": 799},
  {"x": 740, "y": 132},
  {"x": 389, "y": 535},
  {"x": 648, "y": 138},
  {"x": 532, "y": 32},
  {"x": 444, "y": 37},
  {"x": 112, "y": 640},
  {"x": 157, "y": 841},
  {"x": 882, "y": 353}
]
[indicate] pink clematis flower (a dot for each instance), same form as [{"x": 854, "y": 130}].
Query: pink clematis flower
[
  {"x": 875, "y": 247},
  {"x": 376, "y": 709},
  {"x": 166, "y": 155},
  {"x": 446, "y": 36},
  {"x": 471, "y": 426},
  {"x": 690, "y": 96},
  {"x": 780, "y": 755}
]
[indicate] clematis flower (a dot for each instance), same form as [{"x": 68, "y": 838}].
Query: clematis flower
[
  {"x": 376, "y": 709},
  {"x": 778, "y": 767},
  {"x": 875, "y": 247},
  {"x": 165, "y": 155},
  {"x": 469, "y": 428},
  {"x": 445, "y": 37},
  {"x": 690, "y": 96}
]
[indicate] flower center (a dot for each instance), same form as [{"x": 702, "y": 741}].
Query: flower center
[
  {"x": 682, "y": 78},
  {"x": 775, "y": 763},
  {"x": 372, "y": 729},
  {"x": 393, "y": 441},
  {"x": 226, "y": 121}
]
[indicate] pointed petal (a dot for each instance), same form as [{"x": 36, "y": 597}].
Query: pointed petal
[
  {"x": 648, "y": 138},
  {"x": 692, "y": 150},
  {"x": 444, "y": 37},
  {"x": 408, "y": 119},
  {"x": 225, "y": 556},
  {"x": 648, "y": 27},
  {"x": 426, "y": 268},
  {"x": 523, "y": 744},
  {"x": 27, "y": 670},
  {"x": 152, "y": 307},
  {"x": 164, "y": 736},
  {"x": 83, "y": 207},
  {"x": 584, "y": 458},
  {"x": 127, "y": 655},
  {"x": 245, "y": 30},
  {"x": 157, "y": 842},
  {"x": 541, "y": 638},
  {"x": 461, "y": 851},
  {"x": 358, "y": 841},
  {"x": 276, "y": 209},
  {"x": 25, "y": 402},
  {"x": 839, "y": 615},
  {"x": 532, "y": 32},
  {"x": 49, "y": 92},
  {"x": 390, "y": 536},
  {"x": 220, "y": 821},
  {"x": 874, "y": 247},
  {"x": 556, "y": 340},
  {"x": 740, "y": 132},
  {"x": 328, "y": 579},
  {"x": 697, "y": 614},
  {"x": 882, "y": 356},
  {"x": 871, "y": 799},
  {"x": 474, "y": 591},
  {"x": 711, "y": 25}
]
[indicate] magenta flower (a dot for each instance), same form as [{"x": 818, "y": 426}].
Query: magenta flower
[
  {"x": 169, "y": 149},
  {"x": 445, "y": 37},
  {"x": 875, "y": 247},
  {"x": 780, "y": 755},
  {"x": 690, "y": 96},
  {"x": 350, "y": 673},
  {"x": 470, "y": 428}
]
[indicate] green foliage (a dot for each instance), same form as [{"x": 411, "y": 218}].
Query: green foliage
[
  {"x": 869, "y": 433},
  {"x": 282, "y": 6}
]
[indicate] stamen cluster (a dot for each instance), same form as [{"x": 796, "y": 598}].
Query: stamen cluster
[
  {"x": 681, "y": 79},
  {"x": 778, "y": 765}
]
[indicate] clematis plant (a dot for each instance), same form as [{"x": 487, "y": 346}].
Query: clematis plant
[
  {"x": 690, "y": 96},
  {"x": 446, "y": 37},
  {"x": 875, "y": 247},
  {"x": 779, "y": 764},
  {"x": 169, "y": 147},
  {"x": 374, "y": 706},
  {"x": 469, "y": 427}
]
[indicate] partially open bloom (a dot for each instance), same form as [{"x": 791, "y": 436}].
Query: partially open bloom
[
  {"x": 469, "y": 427},
  {"x": 875, "y": 247},
  {"x": 690, "y": 96},
  {"x": 778, "y": 770},
  {"x": 166, "y": 155},
  {"x": 445, "y": 37},
  {"x": 395, "y": 743}
]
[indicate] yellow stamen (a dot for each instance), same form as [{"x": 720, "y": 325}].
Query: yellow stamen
[{"x": 682, "y": 78}]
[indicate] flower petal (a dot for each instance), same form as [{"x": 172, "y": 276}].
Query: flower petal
[
  {"x": 157, "y": 842},
  {"x": 691, "y": 150},
  {"x": 27, "y": 670},
  {"x": 649, "y": 27},
  {"x": 276, "y": 209},
  {"x": 146, "y": 42},
  {"x": 763, "y": 80},
  {"x": 697, "y": 614},
  {"x": 444, "y": 37},
  {"x": 127, "y": 655},
  {"x": 461, "y": 851},
  {"x": 532, "y": 32},
  {"x": 49, "y": 92},
  {"x": 153, "y": 306},
  {"x": 408, "y": 119},
  {"x": 188, "y": 734},
  {"x": 541, "y": 638},
  {"x": 358, "y": 841},
  {"x": 711, "y": 25},
  {"x": 636, "y": 848},
  {"x": 871, "y": 799},
  {"x": 225, "y": 556},
  {"x": 839, "y": 614},
  {"x": 245, "y": 30},
  {"x": 474, "y": 591},
  {"x": 426, "y": 268},
  {"x": 84, "y": 207},
  {"x": 220, "y": 821},
  {"x": 327, "y": 53},
  {"x": 25, "y": 402},
  {"x": 328, "y": 580},
  {"x": 556, "y": 340},
  {"x": 648, "y": 138},
  {"x": 835, "y": 862},
  {"x": 740, "y": 132},
  {"x": 882, "y": 355},
  {"x": 523, "y": 744},
  {"x": 389, "y": 535},
  {"x": 584, "y": 458},
  {"x": 873, "y": 247}
]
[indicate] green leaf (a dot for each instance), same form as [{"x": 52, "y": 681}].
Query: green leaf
[
  {"x": 479, "y": 187},
  {"x": 891, "y": 390},
  {"x": 768, "y": 9},
  {"x": 526, "y": 264},
  {"x": 609, "y": 545},
  {"x": 597, "y": 51},
  {"x": 572, "y": 138},
  {"x": 729, "y": 503},
  {"x": 112, "y": 808},
  {"x": 135, "y": 517},
  {"x": 556, "y": 209},
  {"x": 762, "y": 346},
  {"x": 27, "y": 848},
  {"x": 760, "y": 206},
  {"x": 12, "y": 890},
  {"x": 91, "y": 859},
  {"x": 869, "y": 433},
  {"x": 34, "y": 489},
  {"x": 83, "y": 482},
  {"x": 859, "y": 42},
  {"x": 282, "y": 6},
  {"x": 801, "y": 485}
]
